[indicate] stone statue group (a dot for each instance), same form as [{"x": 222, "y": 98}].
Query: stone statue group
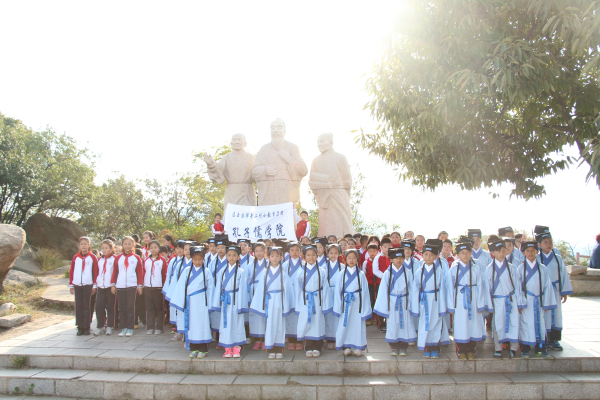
[{"x": 278, "y": 170}]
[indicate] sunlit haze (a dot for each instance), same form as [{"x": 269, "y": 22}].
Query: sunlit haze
[{"x": 146, "y": 84}]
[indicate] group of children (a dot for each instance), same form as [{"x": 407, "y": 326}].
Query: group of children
[{"x": 324, "y": 290}]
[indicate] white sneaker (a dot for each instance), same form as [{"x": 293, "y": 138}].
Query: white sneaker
[
  {"x": 109, "y": 331},
  {"x": 99, "y": 331},
  {"x": 357, "y": 353},
  {"x": 157, "y": 331},
  {"x": 150, "y": 332},
  {"x": 316, "y": 353},
  {"x": 279, "y": 356},
  {"x": 411, "y": 343},
  {"x": 271, "y": 356},
  {"x": 129, "y": 332},
  {"x": 309, "y": 354},
  {"x": 123, "y": 332},
  {"x": 347, "y": 352},
  {"x": 175, "y": 337}
]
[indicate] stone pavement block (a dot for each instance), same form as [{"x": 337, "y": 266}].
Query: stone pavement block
[
  {"x": 139, "y": 354},
  {"x": 325, "y": 368},
  {"x": 170, "y": 355},
  {"x": 571, "y": 391},
  {"x": 261, "y": 380},
  {"x": 209, "y": 379},
  {"x": 231, "y": 366},
  {"x": 319, "y": 380},
  {"x": 201, "y": 366},
  {"x": 354, "y": 368},
  {"x": 19, "y": 373},
  {"x": 408, "y": 392},
  {"x": 345, "y": 393},
  {"x": 108, "y": 376},
  {"x": 40, "y": 351},
  {"x": 508, "y": 391},
  {"x": 69, "y": 336},
  {"x": 462, "y": 391},
  {"x": 218, "y": 392},
  {"x": 40, "y": 386},
  {"x": 501, "y": 366},
  {"x": 461, "y": 367},
  {"x": 479, "y": 378},
  {"x": 590, "y": 364},
  {"x": 80, "y": 389},
  {"x": 370, "y": 380},
  {"x": 142, "y": 365},
  {"x": 122, "y": 390},
  {"x": 409, "y": 367},
  {"x": 256, "y": 367},
  {"x": 302, "y": 367},
  {"x": 51, "y": 361},
  {"x": 291, "y": 393},
  {"x": 388, "y": 366},
  {"x": 10, "y": 350},
  {"x": 180, "y": 366},
  {"x": 114, "y": 345},
  {"x": 426, "y": 379},
  {"x": 73, "y": 344},
  {"x": 437, "y": 366},
  {"x": 157, "y": 378},
  {"x": 61, "y": 374},
  {"x": 581, "y": 377},
  {"x": 535, "y": 377},
  {"x": 81, "y": 352},
  {"x": 182, "y": 392},
  {"x": 3, "y": 385},
  {"x": 94, "y": 363},
  {"x": 554, "y": 364}
]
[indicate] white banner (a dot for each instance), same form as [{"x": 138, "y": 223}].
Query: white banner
[{"x": 260, "y": 222}]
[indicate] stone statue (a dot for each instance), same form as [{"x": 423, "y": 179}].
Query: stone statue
[
  {"x": 278, "y": 169},
  {"x": 331, "y": 182},
  {"x": 236, "y": 169}
]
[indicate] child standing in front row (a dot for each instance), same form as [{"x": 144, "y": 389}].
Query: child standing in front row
[
  {"x": 257, "y": 322},
  {"x": 105, "y": 300},
  {"x": 332, "y": 266},
  {"x": 155, "y": 272},
  {"x": 351, "y": 306},
  {"x": 127, "y": 281},
  {"x": 293, "y": 265},
  {"x": 393, "y": 304},
  {"x": 82, "y": 283}
]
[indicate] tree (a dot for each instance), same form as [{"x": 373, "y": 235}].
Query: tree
[
  {"x": 41, "y": 172},
  {"x": 485, "y": 92}
]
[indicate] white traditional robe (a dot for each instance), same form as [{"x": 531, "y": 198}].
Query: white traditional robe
[
  {"x": 506, "y": 295},
  {"x": 257, "y": 322},
  {"x": 236, "y": 169},
  {"x": 352, "y": 306},
  {"x": 176, "y": 272},
  {"x": 562, "y": 287},
  {"x": 312, "y": 302},
  {"x": 392, "y": 304},
  {"x": 412, "y": 265},
  {"x": 273, "y": 301},
  {"x": 429, "y": 284},
  {"x": 482, "y": 256},
  {"x": 291, "y": 321},
  {"x": 331, "y": 320},
  {"x": 515, "y": 258},
  {"x": 192, "y": 299},
  {"x": 230, "y": 299},
  {"x": 215, "y": 267},
  {"x": 532, "y": 325}
]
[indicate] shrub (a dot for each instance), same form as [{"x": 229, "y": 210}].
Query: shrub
[
  {"x": 48, "y": 259},
  {"x": 19, "y": 362}
]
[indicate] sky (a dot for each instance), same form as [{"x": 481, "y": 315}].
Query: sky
[{"x": 144, "y": 85}]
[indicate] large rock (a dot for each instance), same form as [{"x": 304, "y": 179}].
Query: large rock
[
  {"x": 26, "y": 261},
  {"x": 15, "y": 277},
  {"x": 12, "y": 239},
  {"x": 10, "y": 321},
  {"x": 57, "y": 233},
  {"x": 576, "y": 270}
]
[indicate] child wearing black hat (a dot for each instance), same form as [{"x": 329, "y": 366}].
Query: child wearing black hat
[
  {"x": 293, "y": 266},
  {"x": 482, "y": 256},
  {"x": 257, "y": 322},
  {"x": 332, "y": 266}
]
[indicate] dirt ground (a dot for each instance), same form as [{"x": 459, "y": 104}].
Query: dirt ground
[{"x": 39, "y": 322}]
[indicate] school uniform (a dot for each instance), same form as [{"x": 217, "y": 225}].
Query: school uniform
[
  {"x": 312, "y": 303},
  {"x": 352, "y": 308},
  {"x": 257, "y": 322},
  {"x": 291, "y": 321},
  {"x": 178, "y": 268},
  {"x": 128, "y": 276},
  {"x": 273, "y": 300},
  {"x": 216, "y": 267},
  {"x": 230, "y": 300},
  {"x": 145, "y": 252},
  {"x": 155, "y": 273},
  {"x": 429, "y": 306},
  {"x": 331, "y": 320},
  {"x": 217, "y": 228},
  {"x": 192, "y": 299},
  {"x": 368, "y": 266},
  {"x": 538, "y": 297},
  {"x": 106, "y": 312},
  {"x": 393, "y": 304},
  {"x": 82, "y": 279},
  {"x": 561, "y": 286},
  {"x": 303, "y": 229},
  {"x": 467, "y": 299},
  {"x": 505, "y": 296}
]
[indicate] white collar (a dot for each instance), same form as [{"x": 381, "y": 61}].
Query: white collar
[
  {"x": 352, "y": 269},
  {"x": 310, "y": 266},
  {"x": 259, "y": 262},
  {"x": 544, "y": 253},
  {"x": 319, "y": 258},
  {"x": 397, "y": 269},
  {"x": 197, "y": 268},
  {"x": 333, "y": 262},
  {"x": 223, "y": 259},
  {"x": 231, "y": 267},
  {"x": 428, "y": 267},
  {"x": 500, "y": 263},
  {"x": 294, "y": 259},
  {"x": 531, "y": 264},
  {"x": 274, "y": 269},
  {"x": 462, "y": 263}
]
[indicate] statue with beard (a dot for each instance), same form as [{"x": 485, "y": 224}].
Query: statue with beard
[{"x": 278, "y": 169}]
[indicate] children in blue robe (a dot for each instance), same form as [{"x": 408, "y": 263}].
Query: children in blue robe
[
  {"x": 352, "y": 306},
  {"x": 392, "y": 303},
  {"x": 177, "y": 260},
  {"x": 429, "y": 304},
  {"x": 505, "y": 297},
  {"x": 292, "y": 266},
  {"x": 561, "y": 285},
  {"x": 312, "y": 303},
  {"x": 176, "y": 272},
  {"x": 332, "y": 267},
  {"x": 467, "y": 299},
  {"x": 192, "y": 299},
  {"x": 246, "y": 259},
  {"x": 412, "y": 264},
  {"x": 230, "y": 299},
  {"x": 257, "y": 323},
  {"x": 538, "y": 297},
  {"x": 219, "y": 262},
  {"x": 273, "y": 301}
]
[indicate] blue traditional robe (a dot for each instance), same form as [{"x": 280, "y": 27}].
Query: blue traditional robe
[
  {"x": 312, "y": 302},
  {"x": 230, "y": 300},
  {"x": 413, "y": 265},
  {"x": 532, "y": 324},
  {"x": 347, "y": 297},
  {"x": 504, "y": 286},
  {"x": 432, "y": 330},
  {"x": 321, "y": 261},
  {"x": 556, "y": 267},
  {"x": 192, "y": 299},
  {"x": 393, "y": 304},
  {"x": 331, "y": 320},
  {"x": 273, "y": 304},
  {"x": 176, "y": 272},
  {"x": 482, "y": 256},
  {"x": 515, "y": 258},
  {"x": 257, "y": 322},
  {"x": 291, "y": 321},
  {"x": 216, "y": 267},
  {"x": 467, "y": 299},
  {"x": 210, "y": 258},
  {"x": 245, "y": 262}
]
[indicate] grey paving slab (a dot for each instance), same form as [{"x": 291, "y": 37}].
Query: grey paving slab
[
  {"x": 130, "y": 354},
  {"x": 261, "y": 380},
  {"x": 114, "y": 345},
  {"x": 62, "y": 374},
  {"x": 370, "y": 380},
  {"x": 171, "y": 355},
  {"x": 209, "y": 379},
  {"x": 581, "y": 377},
  {"x": 479, "y": 378},
  {"x": 81, "y": 352},
  {"x": 157, "y": 378},
  {"x": 39, "y": 351},
  {"x": 19, "y": 373},
  {"x": 73, "y": 344},
  {"x": 426, "y": 379},
  {"x": 533, "y": 377},
  {"x": 108, "y": 376},
  {"x": 317, "y": 380}
]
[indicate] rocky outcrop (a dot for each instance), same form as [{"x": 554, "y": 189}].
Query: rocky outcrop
[
  {"x": 56, "y": 233},
  {"x": 25, "y": 262},
  {"x": 15, "y": 277},
  {"x": 12, "y": 239},
  {"x": 576, "y": 270},
  {"x": 12, "y": 320}
]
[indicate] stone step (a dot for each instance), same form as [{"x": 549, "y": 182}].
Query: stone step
[{"x": 68, "y": 383}]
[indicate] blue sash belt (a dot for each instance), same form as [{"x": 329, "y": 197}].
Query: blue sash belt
[
  {"x": 507, "y": 308},
  {"x": 312, "y": 309},
  {"x": 426, "y": 304},
  {"x": 226, "y": 300},
  {"x": 399, "y": 307},
  {"x": 538, "y": 320},
  {"x": 348, "y": 299},
  {"x": 466, "y": 291},
  {"x": 268, "y": 294}
]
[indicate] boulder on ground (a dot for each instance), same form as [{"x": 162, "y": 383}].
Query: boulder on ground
[
  {"x": 10, "y": 321},
  {"x": 7, "y": 308},
  {"x": 15, "y": 277},
  {"x": 56, "y": 233},
  {"x": 12, "y": 239},
  {"x": 576, "y": 270},
  {"x": 26, "y": 261}
]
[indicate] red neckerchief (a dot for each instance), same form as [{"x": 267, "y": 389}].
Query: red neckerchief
[
  {"x": 79, "y": 255},
  {"x": 152, "y": 268},
  {"x": 126, "y": 262},
  {"x": 104, "y": 266}
]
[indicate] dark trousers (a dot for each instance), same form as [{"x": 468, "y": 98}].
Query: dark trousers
[
  {"x": 372, "y": 296},
  {"x": 140, "y": 309},
  {"x": 555, "y": 335},
  {"x": 126, "y": 298},
  {"x": 106, "y": 308},
  {"x": 402, "y": 346},
  {"x": 527, "y": 348},
  {"x": 432, "y": 348},
  {"x": 310, "y": 345},
  {"x": 202, "y": 347},
  {"x": 466, "y": 347},
  {"x": 275, "y": 350},
  {"x": 154, "y": 308},
  {"x": 83, "y": 313},
  {"x": 292, "y": 340},
  {"x": 167, "y": 309}
]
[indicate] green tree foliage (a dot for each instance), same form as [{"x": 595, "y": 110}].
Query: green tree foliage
[
  {"x": 41, "y": 172},
  {"x": 485, "y": 92}
]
